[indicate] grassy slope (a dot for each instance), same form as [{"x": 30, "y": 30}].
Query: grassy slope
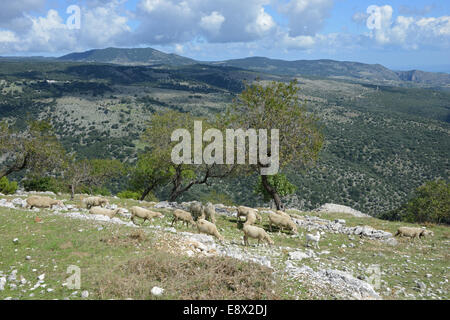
[{"x": 122, "y": 262}]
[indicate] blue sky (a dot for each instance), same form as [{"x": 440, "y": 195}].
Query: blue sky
[{"x": 399, "y": 34}]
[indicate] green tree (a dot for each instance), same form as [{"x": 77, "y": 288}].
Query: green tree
[
  {"x": 93, "y": 174},
  {"x": 151, "y": 171},
  {"x": 277, "y": 106},
  {"x": 430, "y": 203},
  {"x": 36, "y": 150},
  {"x": 279, "y": 183},
  {"x": 182, "y": 176}
]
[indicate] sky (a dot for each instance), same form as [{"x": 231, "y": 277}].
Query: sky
[{"x": 399, "y": 34}]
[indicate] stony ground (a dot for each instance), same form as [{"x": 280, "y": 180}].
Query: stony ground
[{"x": 357, "y": 258}]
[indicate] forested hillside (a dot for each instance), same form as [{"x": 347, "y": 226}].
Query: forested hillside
[{"x": 381, "y": 141}]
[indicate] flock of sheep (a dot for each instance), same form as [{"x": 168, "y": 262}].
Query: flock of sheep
[{"x": 198, "y": 215}]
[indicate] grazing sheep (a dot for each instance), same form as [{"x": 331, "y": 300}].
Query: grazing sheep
[
  {"x": 210, "y": 212},
  {"x": 244, "y": 211},
  {"x": 104, "y": 212},
  {"x": 183, "y": 216},
  {"x": 427, "y": 233},
  {"x": 282, "y": 213},
  {"x": 410, "y": 232},
  {"x": 282, "y": 222},
  {"x": 251, "y": 218},
  {"x": 314, "y": 239},
  {"x": 143, "y": 214},
  {"x": 207, "y": 227},
  {"x": 42, "y": 202},
  {"x": 255, "y": 233},
  {"x": 196, "y": 210},
  {"x": 94, "y": 202}
]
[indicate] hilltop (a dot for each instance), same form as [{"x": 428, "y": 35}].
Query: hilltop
[
  {"x": 374, "y": 73},
  {"x": 134, "y": 56}
]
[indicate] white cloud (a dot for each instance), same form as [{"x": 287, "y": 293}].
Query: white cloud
[
  {"x": 212, "y": 23},
  {"x": 408, "y": 32},
  {"x": 306, "y": 17},
  {"x": 174, "y": 21}
]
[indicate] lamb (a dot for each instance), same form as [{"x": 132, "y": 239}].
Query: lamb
[
  {"x": 314, "y": 239},
  {"x": 143, "y": 214},
  {"x": 207, "y": 227},
  {"x": 244, "y": 211},
  {"x": 282, "y": 222},
  {"x": 42, "y": 202},
  {"x": 210, "y": 212},
  {"x": 183, "y": 216},
  {"x": 196, "y": 210},
  {"x": 410, "y": 232},
  {"x": 256, "y": 233},
  {"x": 104, "y": 212},
  {"x": 94, "y": 202}
]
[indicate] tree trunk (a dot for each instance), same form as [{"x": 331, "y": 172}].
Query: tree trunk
[
  {"x": 15, "y": 168},
  {"x": 72, "y": 189},
  {"x": 273, "y": 193},
  {"x": 146, "y": 192}
]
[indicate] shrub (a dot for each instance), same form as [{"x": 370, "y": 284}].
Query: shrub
[
  {"x": 129, "y": 195},
  {"x": 215, "y": 197},
  {"x": 431, "y": 203},
  {"x": 42, "y": 184},
  {"x": 7, "y": 187}
]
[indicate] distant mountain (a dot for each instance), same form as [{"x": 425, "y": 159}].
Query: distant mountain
[
  {"x": 338, "y": 69},
  {"x": 430, "y": 78},
  {"x": 356, "y": 71},
  {"x": 135, "y": 56}
]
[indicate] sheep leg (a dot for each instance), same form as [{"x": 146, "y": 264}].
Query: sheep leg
[{"x": 246, "y": 240}]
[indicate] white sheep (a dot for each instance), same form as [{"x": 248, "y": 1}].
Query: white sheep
[
  {"x": 281, "y": 222},
  {"x": 90, "y": 202},
  {"x": 210, "y": 228},
  {"x": 209, "y": 212},
  {"x": 143, "y": 214},
  {"x": 243, "y": 211},
  {"x": 282, "y": 213},
  {"x": 184, "y": 216},
  {"x": 410, "y": 232},
  {"x": 105, "y": 212},
  {"x": 42, "y": 202},
  {"x": 256, "y": 233},
  {"x": 251, "y": 218},
  {"x": 314, "y": 239},
  {"x": 196, "y": 210}
]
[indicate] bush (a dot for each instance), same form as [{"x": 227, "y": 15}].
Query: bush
[
  {"x": 103, "y": 191},
  {"x": 7, "y": 187},
  {"x": 215, "y": 197},
  {"x": 129, "y": 195},
  {"x": 431, "y": 203},
  {"x": 42, "y": 184}
]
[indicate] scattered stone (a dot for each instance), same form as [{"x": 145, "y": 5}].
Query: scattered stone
[
  {"x": 85, "y": 294},
  {"x": 157, "y": 291}
]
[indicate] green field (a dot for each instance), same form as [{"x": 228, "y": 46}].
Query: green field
[{"x": 124, "y": 262}]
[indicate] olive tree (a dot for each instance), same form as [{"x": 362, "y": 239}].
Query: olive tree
[
  {"x": 37, "y": 149},
  {"x": 182, "y": 176},
  {"x": 276, "y": 105}
]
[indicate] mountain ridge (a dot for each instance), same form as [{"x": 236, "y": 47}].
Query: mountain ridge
[{"x": 327, "y": 68}]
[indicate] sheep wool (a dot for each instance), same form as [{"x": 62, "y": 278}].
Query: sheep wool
[
  {"x": 42, "y": 202},
  {"x": 207, "y": 227},
  {"x": 256, "y": 233}
]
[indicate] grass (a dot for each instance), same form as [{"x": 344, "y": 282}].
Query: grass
[{"x": 120, "y": 262}]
